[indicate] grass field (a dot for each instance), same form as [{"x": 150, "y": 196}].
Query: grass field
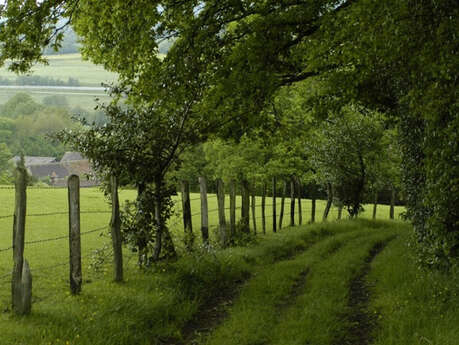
[
  {"x": 290, "y": 288},
  {"x": 83, "y": 99},
  {"x": 67, "y": 66}
]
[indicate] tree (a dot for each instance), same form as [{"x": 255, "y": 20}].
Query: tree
[
  {"x": 393, "y": 56},
  {"x": 345, "y": 151}
]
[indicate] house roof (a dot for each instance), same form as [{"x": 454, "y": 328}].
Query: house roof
[
  {"x": 56, "y": 170},
  {"x": 31, "y": 160},
  {"x": 72, "y": 156}
]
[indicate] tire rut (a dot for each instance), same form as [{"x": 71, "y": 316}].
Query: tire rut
[
  {"x": 213, "y": 312},
  {"x": 361, "y": 322}
]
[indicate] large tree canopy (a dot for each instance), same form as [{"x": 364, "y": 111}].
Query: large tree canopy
[{"x": 396, "y": 56}]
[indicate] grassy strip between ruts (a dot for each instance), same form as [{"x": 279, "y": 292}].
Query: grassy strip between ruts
[
  {"x": 153, "y": 307},
  {"x": 264, "y": 297},
  {"x": 413, "y": 306},
  {"x": 315, "y": 318},
  {"x": 263, "y": 316}
]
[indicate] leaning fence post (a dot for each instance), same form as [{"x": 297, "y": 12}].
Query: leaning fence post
[
  {"x": 115, "y": 226},
  {"x": 74, "y": 234},
  {"x": 21, "y": 283},
  {"x": 281, "y": 216},
  {"x": 221, "y": 212},
  {"x": 274, "y": 206},
  {"x": 186, "y": 207},
  {"x": 204, "y": 211}
]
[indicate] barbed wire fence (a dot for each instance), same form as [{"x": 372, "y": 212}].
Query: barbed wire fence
[{"x": 174, "y": 225}]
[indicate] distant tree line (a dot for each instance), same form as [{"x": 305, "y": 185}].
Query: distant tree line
[{"x": 36, "y": 80}]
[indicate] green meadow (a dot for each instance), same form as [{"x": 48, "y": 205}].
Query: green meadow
[
  {"x": 291, "y": 287},
  {"x": 63, "y": 67},
  {"x": 67, "y": 66}
]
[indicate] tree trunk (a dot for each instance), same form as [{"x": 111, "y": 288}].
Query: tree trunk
[
  {"x": 281, "y": 216},
  {"x": 221, "y": 213},
  {"x": 204, "y": 211},
  {"x": 115, "y": 226},
  {"x": 329, "y": 202},
  {"x": 245, "y": 217},
  {"x": 186, "y": 209},
  {"x": 232, "y": 209},
  {"x": 392, "y": 203},
  {"x": 163, "y": 238},
  {"x": 263, "y": 205},
  {"x": 254, "y": 219},
  {"x": 274, "y": 206},
  {"x": 300, "y": 212},
  {"x": 375, "y": 204},
  {"x": 292, "y": 201}
]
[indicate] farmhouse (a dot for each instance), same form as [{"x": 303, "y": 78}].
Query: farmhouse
[{"x": 56, "y": 172}]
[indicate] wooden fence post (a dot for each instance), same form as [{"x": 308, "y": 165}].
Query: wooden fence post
[
  {"x": 204, "y": 211},
  {"x": 292, "y": 202},
  {"x": 254, "y": 220},
  {"x": 115, "y": 227},
  {"x": 313, "y": 204},
  {"x": 186, "y": 209},
  {"x": 274, "y": 205},
  {"x": 245, "y": 213},
  {"x": 221, "y": 212},
  {"x": 263, "y": 206},
  {"x": 281, "y": 216},
  {"x": 300, "y": 211},
  {"x": 375, "y": 204},
  {"x": 232, "y": 209},
  {"x": 21, "y": 283},
  {"x": 74, "y": 234}
]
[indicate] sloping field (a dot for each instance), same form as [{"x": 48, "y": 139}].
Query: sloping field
[
  {"x": 63, "y": 67},
  {"x": 346, "y": 282}
]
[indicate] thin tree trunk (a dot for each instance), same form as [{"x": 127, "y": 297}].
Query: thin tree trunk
[
  {"x": 186, "y": 209},
  {"x": 274, "y": 205},
  {"x": 375, "y": 204},
  {"x": 329, "y": 202},
  {"x": 245, "y": 213},
  {"x": 204, "y": 211},
  {"x": 392, "y": 203},
  {"x": 281, "y": 216},
  {"x": 254, "y": 219},
  {"x": 232, "y": 209},
  {"x": 263, "y": 205}
]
